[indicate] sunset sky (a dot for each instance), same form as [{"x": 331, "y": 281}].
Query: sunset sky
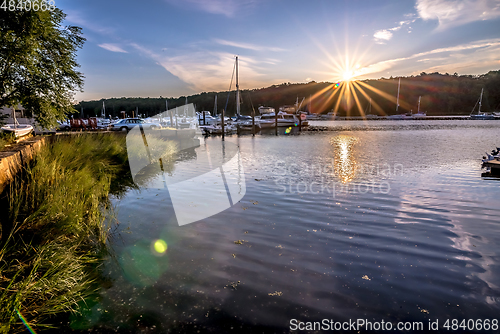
[{"x": 171, "y": 48}]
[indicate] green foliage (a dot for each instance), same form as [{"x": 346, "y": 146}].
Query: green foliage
[
  {"x": 55, "y": 232},
  {"x": 37, "y": 63}
]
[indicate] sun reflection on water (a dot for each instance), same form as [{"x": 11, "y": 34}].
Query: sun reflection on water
[{"x": 345, "y": 162}]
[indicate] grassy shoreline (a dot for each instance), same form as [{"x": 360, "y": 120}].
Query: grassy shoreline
[{"x": 53, "y": 231}]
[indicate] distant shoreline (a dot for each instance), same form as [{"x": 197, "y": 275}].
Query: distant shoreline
[{"x": 386, "y": 118}]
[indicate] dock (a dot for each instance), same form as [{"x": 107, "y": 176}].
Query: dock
[{"x": 494, "y": 165}]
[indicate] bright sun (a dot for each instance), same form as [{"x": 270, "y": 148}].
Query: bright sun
[{"x": 347, "y": 76}]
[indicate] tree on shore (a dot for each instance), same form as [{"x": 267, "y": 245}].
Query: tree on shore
[{"x": 38, "y": 67}]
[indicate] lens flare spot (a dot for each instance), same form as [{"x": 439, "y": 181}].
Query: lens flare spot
[
  {"x": 160, "y": 246},
  {"x": 288, "y": 130},
  {"x": 337, "y": 85}
]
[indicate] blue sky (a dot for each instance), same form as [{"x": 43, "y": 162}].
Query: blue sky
[{"x": 171, "y": 48}]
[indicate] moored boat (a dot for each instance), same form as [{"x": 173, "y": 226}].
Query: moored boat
[
  {"x": 480, "y": 115},
  {"x": 18, "y": 130}
]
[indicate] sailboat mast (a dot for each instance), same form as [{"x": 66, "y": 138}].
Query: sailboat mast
[
  {"x": 480, "y": 100},
  {"x": 237, "y": 90},
  {"x": 15, "y": 119},
  {"x": 103, "y": 110},
  {"x": 418, "y": 109},
  {"x": 215, "y": 106},
  {"x": 397, "y": 102}
]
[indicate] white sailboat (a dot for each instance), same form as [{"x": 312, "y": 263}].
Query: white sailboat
[
  {"x": 17, "y": 129},
  {"x": 480, "y": 115},
  {"x": 419, "y": 114},
  {"x": 368, "y": 111},
  {"x": 397, "y": 116}
]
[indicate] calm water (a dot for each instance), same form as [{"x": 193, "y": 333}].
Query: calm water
[{"x": 381, "y": 221}]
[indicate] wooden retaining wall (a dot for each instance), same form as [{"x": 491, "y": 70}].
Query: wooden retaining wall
[{"x": 14, "y": 157}]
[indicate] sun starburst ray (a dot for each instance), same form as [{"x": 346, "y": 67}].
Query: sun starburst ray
[
  {"x": 356, "y": 99},
  {"x": 374, "y": 103},
  {"x": 337, "y": 104}
]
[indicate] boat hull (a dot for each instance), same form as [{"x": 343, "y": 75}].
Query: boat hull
[
  {"x": 18, "y": 130},
  {"x": 482, "y": 117}
]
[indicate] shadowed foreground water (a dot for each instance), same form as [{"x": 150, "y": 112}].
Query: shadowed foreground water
[{"x": 392, "y": 224}]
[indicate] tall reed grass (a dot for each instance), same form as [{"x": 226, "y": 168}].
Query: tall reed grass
[{"x": 53, "y": 228}]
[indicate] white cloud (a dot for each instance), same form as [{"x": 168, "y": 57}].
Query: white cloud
[
  {"x": 112, "y": 47},
  {"x": 485, "y": 52},
  {"x": 248, "y": 46},
  {"x": 77, "y": 19},
  {"x": 382, "y": 35},
  {"x": 457, "y": 12},
  {"x": 222, "y": 7},
  {"x": 211, "y": 71},
  {"x": 208, "y": 71}
]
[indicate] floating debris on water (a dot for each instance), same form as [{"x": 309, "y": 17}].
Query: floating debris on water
[
  {"x": 239, "y": 242},
  {"x": 366, "y": 278},
  {"x": 275, "y": 293},
  {"x": 232, "y": 285}
]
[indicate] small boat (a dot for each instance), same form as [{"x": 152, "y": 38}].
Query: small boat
[
  {"x": 248, "y": 126},
  {"x": 399, "y": 116},
  {"x": 419, "y": 114},
  {"x": 495, "y": 155},
  {"x": 217, "y": 129},
  {"x": 266, "y": 110},
  {"x": 480, "y": 115},
  {"x": 284, "y": 119},
  {"x": 19, "y": 130}
]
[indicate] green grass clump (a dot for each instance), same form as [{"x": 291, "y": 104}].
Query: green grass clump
[
  {"x": 53, "y": 237},
  {"x": 6, "y": 139}
]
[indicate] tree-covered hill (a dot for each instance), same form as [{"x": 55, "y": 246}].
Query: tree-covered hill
[{"x": 441, "y": 94}]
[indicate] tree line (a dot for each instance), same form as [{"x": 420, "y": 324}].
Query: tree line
[{"x": 441, "y": 94}]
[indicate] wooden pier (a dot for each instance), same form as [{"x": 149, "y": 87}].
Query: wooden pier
[{"x": 494, "y": 165}]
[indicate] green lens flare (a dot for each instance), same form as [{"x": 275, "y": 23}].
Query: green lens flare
[{"x": 160, "y": 246}]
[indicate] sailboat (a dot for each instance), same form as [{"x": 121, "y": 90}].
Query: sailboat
[
  {"x": 419, "y": 114},
  {"x": 397, "y": 116},
  {"x": 228, "y": 128},
  {"x": 368, "y": 111},
  {"x": 480, "y": 115},
  {"x": 17, "y": 129}
]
